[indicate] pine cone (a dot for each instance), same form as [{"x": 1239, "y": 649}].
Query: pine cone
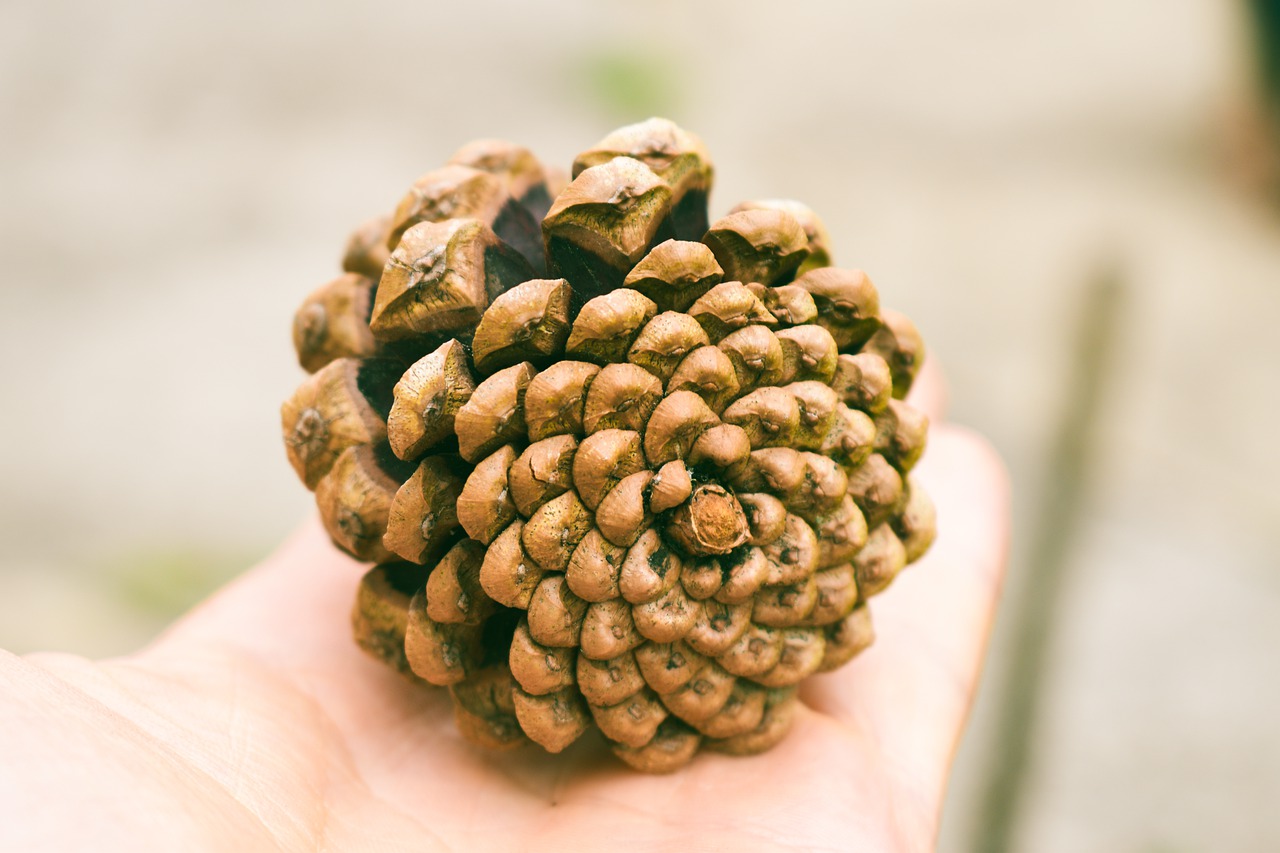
[{"x": 616, "y": 466}]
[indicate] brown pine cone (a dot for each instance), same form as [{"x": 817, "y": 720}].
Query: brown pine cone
[{"x": 618, "y": 468}]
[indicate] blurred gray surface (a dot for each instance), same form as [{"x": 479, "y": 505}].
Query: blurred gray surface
[{"x": 176, "y": 177}]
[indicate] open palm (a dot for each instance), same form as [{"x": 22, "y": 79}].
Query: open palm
[{"x": 256, "y": 724}]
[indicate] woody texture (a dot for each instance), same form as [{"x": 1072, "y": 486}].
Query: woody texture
[{"x": 617, "y": 466}]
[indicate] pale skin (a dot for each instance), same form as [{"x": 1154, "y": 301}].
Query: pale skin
[{"x": 254, "y": 723}]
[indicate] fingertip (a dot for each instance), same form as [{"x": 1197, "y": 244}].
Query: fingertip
[
  {"x": 309, "y": 557},
  {"x": 969, "y": 483},
  {"x": 308, "y": 539},
  {"x": 953, "y": 447},
  {"x": 300, "y": 589},
  {"x": 929, "y": 391}
]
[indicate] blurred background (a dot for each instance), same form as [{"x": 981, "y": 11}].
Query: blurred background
[{"x": 1077, "y": 203}]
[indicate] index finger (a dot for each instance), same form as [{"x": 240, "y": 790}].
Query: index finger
[{"x": 910, "y": 692}]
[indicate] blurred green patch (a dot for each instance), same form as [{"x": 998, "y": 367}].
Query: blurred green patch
[
  {"x": 1266, "y": 30},
  {"x": 1262, "y": 159},
  {"x": 166, "y": 582},
  {"x": 627, "y": 83}
]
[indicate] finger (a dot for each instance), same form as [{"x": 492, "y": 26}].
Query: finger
[
  {"x": 293, "y": 607},
  {"x": 293, "y": 612},
  {"x": 929, "y": 391},
  {"x": 911, "y": 691}
]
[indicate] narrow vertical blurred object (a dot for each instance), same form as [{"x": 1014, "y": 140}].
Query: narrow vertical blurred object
[{"x": 1036, "y": 611}]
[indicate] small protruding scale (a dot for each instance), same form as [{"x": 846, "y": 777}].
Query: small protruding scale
[
  {"x": 333, "y": 322},
  {"x": 530, "y": 322},
  {"x": 344, "y": 405},
  {"x": 898, "y": 342},
  {"x": 675, "y": 274},
  {"x": 819, "y": 241},
  {"x": 675, "y": 155},
  {"x": 381, "y": 612},
  {"x": 848, "y": 304},
  {"x": 494, "y": 414},
  {"x": 457, "y": 191},
  {"x": 526, "y": 179},
  {"x": 554, "y": 400},
  {"x": 542, "y": 472},
  {"x": 423, "y": 514},
  {"x": 355, "y": 497},
  {"x": 761, "y": 245},
  {"x": 863, "y": 381},
  {"x": 604, "y": 222},
  {"x": 606, "y": 326},
  {"x": 440, "y": 279},
  {"x": 427, "y": 399},
  {"x": 485, "y": 506},
  {"x": 728, "y": 307},
  {"x": 366, "y": 251}
]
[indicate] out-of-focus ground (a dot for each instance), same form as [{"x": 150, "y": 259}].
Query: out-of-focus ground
[{"x": 176, "y": 177}]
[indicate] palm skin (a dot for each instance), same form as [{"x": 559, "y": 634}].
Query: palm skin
[{"x": 255, "y": 723}]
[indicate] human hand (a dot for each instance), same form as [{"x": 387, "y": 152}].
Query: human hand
[{"x": 255, "y": 723}]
